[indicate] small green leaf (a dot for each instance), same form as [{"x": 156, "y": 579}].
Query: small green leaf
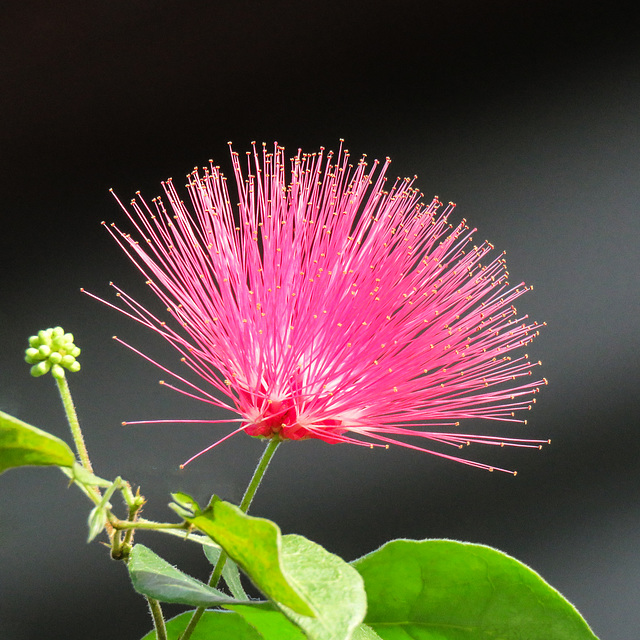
[
  {"x": 221, "y": 625},
  {"x": 96, "y": 521},
  {"x": 154, "y": 577},
  {"x": 85, "y": 477},
  {"x": 230, "y": 572},
  {"x": 185, "y": 506},
  {"x": 446, "y": 590},
  {"x": 255, "y": 545},
  {"x": 23, "y": 445},
  {"x": 99, "y": 515},
  {"x": 365, "y": 632}
]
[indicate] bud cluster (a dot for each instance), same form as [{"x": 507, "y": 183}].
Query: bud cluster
[{"x": 51, "y": 350}]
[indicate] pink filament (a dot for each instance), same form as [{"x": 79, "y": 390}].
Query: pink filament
[{"x": 326, "y": 303}]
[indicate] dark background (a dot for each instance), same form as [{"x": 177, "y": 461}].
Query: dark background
[{"x": 525, "y": 114}]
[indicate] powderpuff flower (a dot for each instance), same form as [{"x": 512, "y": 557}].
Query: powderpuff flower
[{"x": 330, "y": 304}]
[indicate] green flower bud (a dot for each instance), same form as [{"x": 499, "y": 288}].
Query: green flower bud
[
  {"x": 57, "y": 371},
  {"x": 66, "y": 361},
  {"x": 40, "y": 369},
  {"x": 44, "y": 350},
  {"x": 52, "y": 350}
]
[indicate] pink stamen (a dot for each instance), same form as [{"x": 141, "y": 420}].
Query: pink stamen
[{"x": 329, "y": 302}]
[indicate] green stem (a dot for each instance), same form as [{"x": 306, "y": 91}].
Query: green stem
[
  {"x": 72, "y": 417},
  {"x": 247, "y": 499},
  {"x": 92, "y": 493},
  {"x": 244, "y": 507},
  {"x": 259, "y": 473},
  {"x": 145, "y": 524},
  {"x": 134, "y": 508},
  {"x": 158, "y": 619}
]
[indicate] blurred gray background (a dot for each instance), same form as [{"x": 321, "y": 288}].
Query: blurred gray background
[{"x": 525, "y": 114}]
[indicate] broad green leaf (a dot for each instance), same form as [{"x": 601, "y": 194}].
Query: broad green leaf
[
  {"x": 230, "y": 572},
  {"x": 23, "y": 445},
  {"x": 274, "y": 624},
  {"x": 332, "y": 587},
  {"x": 446, "y": 590},
  {"x": 255, "y": 545},
  {"x": 289, "y": 569},
  {"x": 221, "y": 625},
  {"x": 269, "y": 622},
  {"x": 260, "y": 623},
  {"x": 152, "y": 576}
]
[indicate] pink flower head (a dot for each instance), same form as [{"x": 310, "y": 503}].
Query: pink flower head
[{"x": 327, "y": 304}]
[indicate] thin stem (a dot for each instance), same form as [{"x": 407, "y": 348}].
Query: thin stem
[
  {"x": 118, "y": 524},
  {"x": 258, "y": 474},
  {"x": 247, "y": 499},
  {"x": 134, "y": 504},
  {"x": 158, "y": 618},
  {"x": 249, "y": 493},
  {"x": 72, "y": 417},
  {"x": 92, "y": 493}
]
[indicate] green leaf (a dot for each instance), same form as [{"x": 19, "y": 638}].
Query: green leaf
[
  {"x": 154, "y": 577},
  {"x": 291, "y": 570},
  {"x": 96, "y": 522},
  {"x": 221, "y": 625},
  {"x": 23, "y": 445},
  {"x": 99, "y": 515},
  {"x": 446, "y": 590},
  {"x": 273, "y": 624},
  {"x": 230, "y": 572},
  {"x": 185, "y": 506},
  {"x": 269, "y": 622},
  {"x": 255, "y": 545},
  {"x": 85, "y": 477},
  {"x": 333, "y": 589},
  {"x": 257, "y": 623},
  {"x": 365, "y": 632}
]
